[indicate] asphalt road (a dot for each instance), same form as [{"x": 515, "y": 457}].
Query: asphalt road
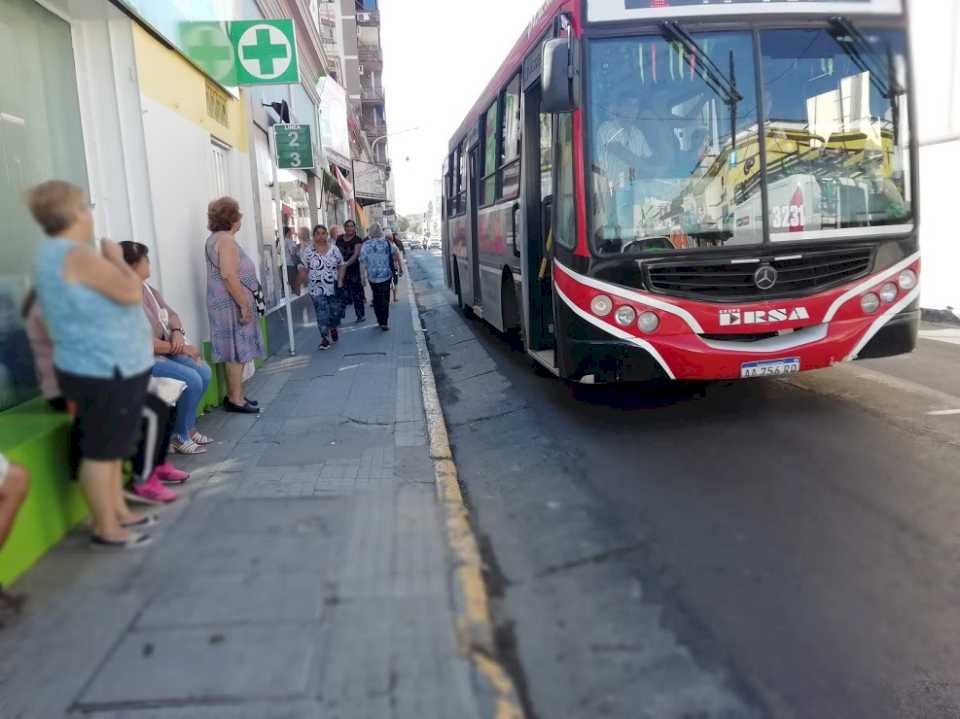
[{"x": 781, "y": 548}]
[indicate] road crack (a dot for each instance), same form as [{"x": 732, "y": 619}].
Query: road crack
[
  {"x": 599, "y": 558},
  {"x": 488, "y": 417}
]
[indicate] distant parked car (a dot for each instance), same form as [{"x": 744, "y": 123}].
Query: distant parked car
[
  {"x": 433, "y": 243},
  {"x": 415, "y": 243}
]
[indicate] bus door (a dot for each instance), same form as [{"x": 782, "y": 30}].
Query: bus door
[
  {"x": 476, "y": 298},
  {"x": 538, "y": 205}
]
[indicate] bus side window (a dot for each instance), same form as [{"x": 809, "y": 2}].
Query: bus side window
[
  {"x": 448, "y": 186},
  {"x": 460, "y": 185},
  {"x": 510, "y": 141},
  {"x": 566, "y": 230}
]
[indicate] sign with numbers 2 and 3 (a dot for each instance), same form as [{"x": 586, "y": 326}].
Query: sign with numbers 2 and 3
[{"x": 294, "y": 147}]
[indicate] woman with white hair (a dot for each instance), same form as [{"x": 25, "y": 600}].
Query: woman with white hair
[
  {"x": 378, "y": 255},
  {"x": 397, "y": 271}
]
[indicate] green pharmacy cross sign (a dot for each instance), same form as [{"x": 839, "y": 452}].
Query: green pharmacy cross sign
[
  {"x": 294, "y": 147},
  {"x": 265, "y": 52}
]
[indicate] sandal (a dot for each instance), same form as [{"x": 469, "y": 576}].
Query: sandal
[
  {"x": 134, "y": 541},
  {"x": 148, "y": 520},
  {"x": 188, "y": 447},
  {"x": 200, "y": 439}
]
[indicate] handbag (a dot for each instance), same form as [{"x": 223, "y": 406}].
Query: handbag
[
  {"x": 167, "y": 389},
  {"x": 259, "y": 301}
]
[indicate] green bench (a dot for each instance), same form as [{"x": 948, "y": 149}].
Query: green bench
[{"x": 35, "y": 436}]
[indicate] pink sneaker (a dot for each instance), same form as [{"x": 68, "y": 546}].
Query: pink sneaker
[
  {"x": 169, "y": 474},
  {"x": 152, "y": 490}
]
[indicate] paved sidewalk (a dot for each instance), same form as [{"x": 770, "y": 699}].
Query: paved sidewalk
[{"x": 304, "y": 573}]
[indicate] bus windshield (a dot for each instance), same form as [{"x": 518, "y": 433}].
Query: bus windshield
[{"x": 675, "y": 144}]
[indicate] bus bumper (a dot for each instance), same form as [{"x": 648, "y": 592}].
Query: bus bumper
[
  {"x": 587, "y": 354},
  {"x": 897, "y": 337}
]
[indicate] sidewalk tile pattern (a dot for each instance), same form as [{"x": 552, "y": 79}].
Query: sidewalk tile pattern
[{"x": 304, "y": 573}]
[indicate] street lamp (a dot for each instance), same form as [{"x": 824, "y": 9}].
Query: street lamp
[{"x": 373, "y": 145}]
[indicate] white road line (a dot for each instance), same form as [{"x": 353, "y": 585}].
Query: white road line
[
  {"x": 349, "y": 366},
  {"x": 944, "y": 412},
  {"x": 935, "y": 396},
  {"x": 950, "y": 336}
]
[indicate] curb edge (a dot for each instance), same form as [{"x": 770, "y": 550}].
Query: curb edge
[{"x": 474, "y": 621}]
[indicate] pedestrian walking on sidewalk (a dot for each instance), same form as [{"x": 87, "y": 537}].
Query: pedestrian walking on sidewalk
[
  {"x": 321, "y": 271},
  {"x": 232, "y": 301},
  {"x": 175, "y": 357},
  {"x": 349, "y": 245},
  {"x": 377, "y": 256},
  {"x": 92, "y": 304},
  {"x": 292, "y": 250},
  {"x": 396, "y": 263}
]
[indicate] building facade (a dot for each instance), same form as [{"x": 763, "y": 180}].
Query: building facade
[
  {"x": 104, "y": 94},
  {"x": 351, "y": 31},
  {"x": 89, "y": 92}
]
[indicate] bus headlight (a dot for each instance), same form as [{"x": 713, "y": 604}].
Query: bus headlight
[
  {"x": 888, "y": 293},
  {"x": 625, "y": 316},
  {"x": 648, "y": 322},
  {"x": 601, "y": 305},
  {"x": 869, "y": 303},
  {"x": 907, "y": 280}
]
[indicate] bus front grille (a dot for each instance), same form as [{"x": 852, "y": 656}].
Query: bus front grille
[{"x": 726, "y": 280}]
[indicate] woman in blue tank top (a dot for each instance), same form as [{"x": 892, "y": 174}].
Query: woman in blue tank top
[{"x": 102, "y": 351}]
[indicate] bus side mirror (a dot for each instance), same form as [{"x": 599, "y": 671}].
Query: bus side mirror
[{"x": 558, "y": 76}]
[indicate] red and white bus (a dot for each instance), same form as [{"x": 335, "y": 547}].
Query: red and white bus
[{"x": 693, "y": 189}]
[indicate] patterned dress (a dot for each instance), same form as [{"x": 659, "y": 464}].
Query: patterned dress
[{"x": 232, "y": 341}]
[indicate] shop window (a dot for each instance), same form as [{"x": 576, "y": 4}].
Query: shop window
[
  {"x": 219, "y": 169},
  {"x": 40, "y": 139}
]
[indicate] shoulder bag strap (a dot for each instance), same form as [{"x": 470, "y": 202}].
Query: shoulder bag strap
[{"x": 251, "y": 289}]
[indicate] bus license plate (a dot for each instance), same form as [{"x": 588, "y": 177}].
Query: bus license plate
[{"x": 770, "y": 368}]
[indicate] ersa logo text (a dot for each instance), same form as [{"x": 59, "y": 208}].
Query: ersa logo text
[{"x": 732, "y": 318}]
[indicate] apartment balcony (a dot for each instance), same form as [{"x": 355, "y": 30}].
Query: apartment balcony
[
  {"x": 370, "y": 56},
  {"x": 373, "y": 128},
  {"x": 371, "y": 94}
]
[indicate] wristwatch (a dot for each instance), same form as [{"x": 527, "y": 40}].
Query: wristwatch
[{"x": 176, "y": 329}]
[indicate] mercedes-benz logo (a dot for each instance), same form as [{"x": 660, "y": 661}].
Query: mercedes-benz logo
[{"x": 765, "y": 277}]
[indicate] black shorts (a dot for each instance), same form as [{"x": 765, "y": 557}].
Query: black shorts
[{"x": 107, "y": 423}]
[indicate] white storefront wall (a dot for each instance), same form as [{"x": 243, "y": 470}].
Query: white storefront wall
[
  {"x": 183, "y": 180},
  {"x": 151, "y": 171}
]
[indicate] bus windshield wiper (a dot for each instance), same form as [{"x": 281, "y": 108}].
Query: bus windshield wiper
[
  {"x": 706, "y": 68},
  {"x": 856, "y": 47}
]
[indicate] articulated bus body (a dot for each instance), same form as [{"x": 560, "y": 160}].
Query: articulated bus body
[{"x": 693, "y": 189}]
